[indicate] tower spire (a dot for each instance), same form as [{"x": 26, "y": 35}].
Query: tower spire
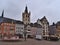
[
  {"x": 26, "y": 9},
  {"x": 2, "y": 13}
]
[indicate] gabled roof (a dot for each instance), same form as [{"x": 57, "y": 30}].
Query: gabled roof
[
  {"x": 9, "y": 20},
  {"x": 58, "y": 23},
  {"x": 44, "y": 19}
]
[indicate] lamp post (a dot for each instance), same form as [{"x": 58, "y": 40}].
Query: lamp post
[
  {"x": 25, "y": 32},
  {"x": 25, "y": 35}
]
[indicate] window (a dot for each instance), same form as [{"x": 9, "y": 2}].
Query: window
[
  {"x": 11, "y": 26},
  {"x": 26, "y": 15},
  {"x": 43, "y": 32},
  {"x": 11, "y": 29},
  {"x": 5, "y": 30},
  {"x": 28, "y": 30},
  {"x": 43, "y": 27},
  {"x": 5, "y": 27},
  {"x": 28, "y": 19},
  {"x": 21, "y": 28}
]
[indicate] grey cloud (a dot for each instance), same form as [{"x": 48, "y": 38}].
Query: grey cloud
[{"x": 39, "y": 8}]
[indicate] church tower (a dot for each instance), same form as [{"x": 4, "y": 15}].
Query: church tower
[
  {"x": 26, "y": 16},
  {"x": 2, "y": 14}
]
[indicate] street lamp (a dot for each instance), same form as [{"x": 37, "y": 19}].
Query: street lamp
[
  {"x": 25, "y": 32},
  {"x": 25, "y": 35}
]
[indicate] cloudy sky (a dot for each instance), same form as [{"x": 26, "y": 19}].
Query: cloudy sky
[{"x": 38, "y": 8}]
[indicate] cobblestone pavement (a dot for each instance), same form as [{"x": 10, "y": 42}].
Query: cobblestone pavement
[{"x": 30, "y": 42}]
